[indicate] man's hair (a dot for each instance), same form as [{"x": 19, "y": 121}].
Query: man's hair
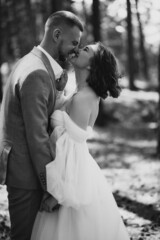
[{"x": 63, "y": 17}]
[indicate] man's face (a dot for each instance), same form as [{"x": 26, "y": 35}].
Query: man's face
[{"x": 69, "y": 42}]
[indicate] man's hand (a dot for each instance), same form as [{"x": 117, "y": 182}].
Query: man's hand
[
  {"x": 52, "y": 144},
  {"x": 49, "y": 203},
  {"x": 62, "y": 81}
]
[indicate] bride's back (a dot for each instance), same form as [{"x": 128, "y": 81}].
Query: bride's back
[{"x": 84, "y": 107}]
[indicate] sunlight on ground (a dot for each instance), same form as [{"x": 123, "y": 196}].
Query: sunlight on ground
[
  {"x": 139, "y": 95},
  {"x": 132, "y": 218},
  {"x": 4, "y": 205}
]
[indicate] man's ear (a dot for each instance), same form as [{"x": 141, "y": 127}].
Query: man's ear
[
  {"x": 56, "y": 34},
  {"x": 89, "y": 68}
]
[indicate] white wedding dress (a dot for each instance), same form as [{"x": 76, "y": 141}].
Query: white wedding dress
[{"x": 88, "y": 210}]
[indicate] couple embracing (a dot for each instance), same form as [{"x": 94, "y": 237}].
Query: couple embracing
[{"x": 56, "y": 191}]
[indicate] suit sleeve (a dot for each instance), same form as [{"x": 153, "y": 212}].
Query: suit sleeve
[{"x": 35, "y": 94}]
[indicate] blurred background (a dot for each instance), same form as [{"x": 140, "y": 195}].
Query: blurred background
[
  {"x": 126, "y": 140},
  {"x": 131, "y": 28}
]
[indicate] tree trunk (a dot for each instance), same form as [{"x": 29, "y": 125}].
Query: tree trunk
[
  {"x": 85, "y": 15},
  {"x": 100, "y": 121},
  {"x": 144, "y": 62},
  {"x": 130, "y": 46},
  {"x": 12, "y": 32},
  {"x": 26, "y": 25},
  {"x": 21, "y": 27},
  {"x": 158, "y": 145},
  {"x": 1, "y": 93},
  {"x": 0, "y": 55},
  {"x": 96, "y": 20},
  {"x": 56, "y": 5}
]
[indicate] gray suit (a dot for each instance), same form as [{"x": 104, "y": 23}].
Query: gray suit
[{"x": 28, "y": 102}]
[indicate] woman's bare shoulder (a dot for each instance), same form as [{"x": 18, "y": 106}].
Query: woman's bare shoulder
[{"x": 85, "y": 96}]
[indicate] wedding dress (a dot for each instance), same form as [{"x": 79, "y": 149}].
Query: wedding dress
[{"x": 88, "y": 210}]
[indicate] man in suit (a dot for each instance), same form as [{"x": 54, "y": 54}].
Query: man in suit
[{"x": 28, "y": 102}]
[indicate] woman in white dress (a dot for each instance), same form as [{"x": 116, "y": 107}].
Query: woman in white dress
[{"x": 87, "y": 210}]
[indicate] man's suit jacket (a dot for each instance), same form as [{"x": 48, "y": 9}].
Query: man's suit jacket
[{"x": 24, "y": 135}]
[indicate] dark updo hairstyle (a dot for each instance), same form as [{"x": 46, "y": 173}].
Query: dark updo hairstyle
[{"x": 103, "y": 77}]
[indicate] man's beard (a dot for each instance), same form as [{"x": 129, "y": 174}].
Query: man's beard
[
  {"x": 62, "y": 60},
  {"x": 61, "y": 56}
]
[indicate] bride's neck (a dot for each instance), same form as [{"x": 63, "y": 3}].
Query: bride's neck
[{"x": 81, "y": 76}]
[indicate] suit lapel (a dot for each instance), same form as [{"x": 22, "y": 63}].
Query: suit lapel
[{"x": 46, "y": 62}]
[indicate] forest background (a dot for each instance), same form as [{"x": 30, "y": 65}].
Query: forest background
[{"x": 126, "y": 139}]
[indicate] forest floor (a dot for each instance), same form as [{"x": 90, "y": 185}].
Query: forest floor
[{"x": 125, "y": 149}]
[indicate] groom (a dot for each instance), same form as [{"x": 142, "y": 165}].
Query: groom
[{"x": 28, "y": 102}]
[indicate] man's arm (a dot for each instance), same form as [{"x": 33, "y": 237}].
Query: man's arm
[{"x": 34, "y": 96}]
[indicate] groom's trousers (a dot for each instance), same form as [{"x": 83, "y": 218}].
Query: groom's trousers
[{"x": 23, "y": 207}]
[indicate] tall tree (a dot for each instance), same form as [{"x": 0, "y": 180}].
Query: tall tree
[
  {"x": 18, "y": 32},
  {"x": 130, "y": 46},
  {"x": 1, "y": 94},
  {"x": 158, "y": 145},
  {"x": 56, "y": 5},
  {"x": 96, "y": 20},
  {"x": 86, "y": 17},
  {"x": 21, "y": 27},
  {"x": 144, "y": 62},
  {"x": 0, "y": 53},
  {"x": 97, "y": 37}
]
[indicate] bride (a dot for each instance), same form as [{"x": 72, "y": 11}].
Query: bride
[{"x": 87, "y": 209}]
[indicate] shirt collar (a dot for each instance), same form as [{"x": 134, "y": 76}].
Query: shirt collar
[{"x": 56, "y": 67}]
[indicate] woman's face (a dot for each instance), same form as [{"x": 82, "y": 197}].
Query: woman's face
[{"x": 84, "y": 57}]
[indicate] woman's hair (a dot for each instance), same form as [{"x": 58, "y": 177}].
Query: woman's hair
[{"x": 104, "y": 75}]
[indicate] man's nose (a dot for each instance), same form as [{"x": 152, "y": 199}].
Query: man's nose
[{"x": 76, "y": 48}]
